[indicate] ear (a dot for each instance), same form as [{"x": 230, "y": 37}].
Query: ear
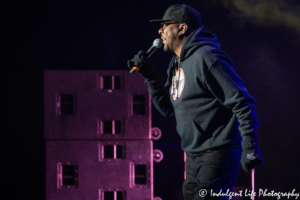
[{"x": 183, "y": 28}]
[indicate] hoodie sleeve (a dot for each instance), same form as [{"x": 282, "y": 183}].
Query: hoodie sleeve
[
  {"x": 160, "y": 98},
  {"x": 225, "y": 84}
]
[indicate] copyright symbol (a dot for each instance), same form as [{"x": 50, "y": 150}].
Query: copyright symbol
[{"x": 202, "y": 192}]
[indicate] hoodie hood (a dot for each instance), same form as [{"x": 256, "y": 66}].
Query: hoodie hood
[{"x": 197, "y": 39}]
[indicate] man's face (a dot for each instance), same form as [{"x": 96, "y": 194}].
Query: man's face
[{"x": 169, "y": 35}]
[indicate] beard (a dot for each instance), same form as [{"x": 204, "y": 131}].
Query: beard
[{"x": 167, "y": 48}]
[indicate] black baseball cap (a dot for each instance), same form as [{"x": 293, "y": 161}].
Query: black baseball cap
[{"x": 180, "y": 13}]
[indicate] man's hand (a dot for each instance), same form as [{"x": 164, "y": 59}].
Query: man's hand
[
  {"x": 251, "y": 157},
  {"x": 146, "y": 65}
]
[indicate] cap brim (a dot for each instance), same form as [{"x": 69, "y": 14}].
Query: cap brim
[{"x": 157, "y": 22}]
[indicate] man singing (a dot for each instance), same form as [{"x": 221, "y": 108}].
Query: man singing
[{"x": 215, "y": 114}]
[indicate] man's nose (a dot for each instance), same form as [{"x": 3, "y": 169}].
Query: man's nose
[{"x": 160, "y": 31}]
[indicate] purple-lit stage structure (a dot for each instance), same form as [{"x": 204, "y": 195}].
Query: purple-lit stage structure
[{"x": 98, "y": 136}]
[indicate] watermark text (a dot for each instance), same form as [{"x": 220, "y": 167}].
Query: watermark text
[{"x": 249, "y": 193}]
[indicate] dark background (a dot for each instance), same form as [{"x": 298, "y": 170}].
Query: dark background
[{"x": 103, "y": 35}]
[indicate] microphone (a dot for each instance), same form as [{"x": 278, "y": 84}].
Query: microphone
[{"x": 157, "y": 43}]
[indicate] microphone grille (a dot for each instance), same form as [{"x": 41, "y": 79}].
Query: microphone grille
[{"x": 157, "y": 43}]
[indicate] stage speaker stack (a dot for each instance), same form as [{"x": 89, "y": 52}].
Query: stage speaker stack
[{"x": 97, "y": 126}]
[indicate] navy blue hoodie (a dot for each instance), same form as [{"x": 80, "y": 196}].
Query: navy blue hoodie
[{"x": 210, "y": 101}]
